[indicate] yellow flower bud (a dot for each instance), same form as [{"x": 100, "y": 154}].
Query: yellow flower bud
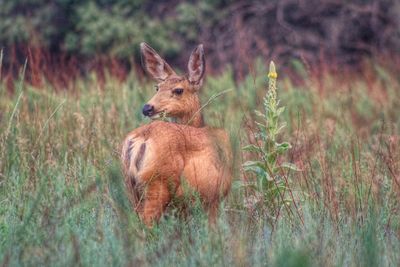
[
  {"x": 272, "y": 71},
  {"x": 272, "y": 75}
]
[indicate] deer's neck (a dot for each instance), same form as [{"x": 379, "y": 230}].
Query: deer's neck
[{"x": 193, "y": 118}]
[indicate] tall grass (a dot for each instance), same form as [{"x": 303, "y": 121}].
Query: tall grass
[{"x": 62, "y": 200}]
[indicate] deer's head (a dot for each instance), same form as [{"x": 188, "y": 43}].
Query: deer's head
[{"x": 176, "y": 96}]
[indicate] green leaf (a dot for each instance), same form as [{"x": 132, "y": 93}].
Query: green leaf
[
  {"x": 282, "y": 147},
  {"x": 252, "y": 148},
  {"x": 254, "y": 164},
  {"x": 280, "y": 110},
  {"x": 271, "y": 158},
  {"x": 256, "y": 167}
]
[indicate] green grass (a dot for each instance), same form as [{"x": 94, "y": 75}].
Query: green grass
[{"x": 62, "y": 200}]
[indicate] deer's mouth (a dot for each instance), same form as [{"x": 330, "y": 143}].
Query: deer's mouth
[{"x": 159, "y": 115}]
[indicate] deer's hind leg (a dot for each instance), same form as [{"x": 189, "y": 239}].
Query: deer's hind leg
[{"x": 156, "y": 198}]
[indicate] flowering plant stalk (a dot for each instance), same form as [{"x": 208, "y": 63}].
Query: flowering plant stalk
[{"x": 269, "y": 183}]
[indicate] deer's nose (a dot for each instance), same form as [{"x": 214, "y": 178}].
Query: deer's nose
[{"x": 148, "y": 110}]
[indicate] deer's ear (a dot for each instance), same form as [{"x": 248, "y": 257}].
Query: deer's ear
[
  {"x": 157, "y": 67},
  {"x": 197, "y": 66}
]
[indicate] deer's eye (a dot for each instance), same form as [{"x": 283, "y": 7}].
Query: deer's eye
[
  {"x": 156, "y": 86},
  {"x": 177, "y": 91}
]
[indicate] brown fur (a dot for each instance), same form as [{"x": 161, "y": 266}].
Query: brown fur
[
  {"x": 156, "y": 157},
  {"x": 175, "y": 152}
]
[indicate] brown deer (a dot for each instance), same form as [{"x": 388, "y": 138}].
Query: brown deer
[{"x": 161, "y": 157}]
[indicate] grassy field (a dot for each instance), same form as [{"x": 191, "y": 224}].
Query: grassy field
[{"x": 62, "y": 200}]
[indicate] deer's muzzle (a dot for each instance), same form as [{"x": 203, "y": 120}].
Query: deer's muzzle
[{"x": 148, "y": 110}]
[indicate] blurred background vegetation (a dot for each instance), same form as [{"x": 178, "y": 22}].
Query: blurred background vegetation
[{"x": 79, "y": 36}]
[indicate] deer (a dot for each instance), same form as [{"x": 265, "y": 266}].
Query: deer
[{"x": 160, "y": 158}]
